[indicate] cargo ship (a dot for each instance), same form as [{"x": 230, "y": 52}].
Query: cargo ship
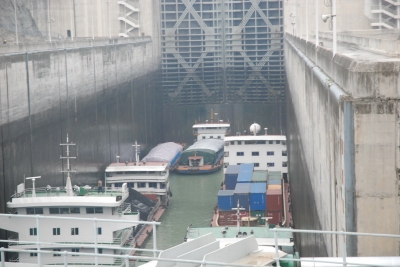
[
  {"x": 149, "y": 176},
  {"x": 255, "y": 168},
  {"x": 29, "y": 208},
  {"x": 204, "y": 156},
  {"x": 266, "y": 152}
]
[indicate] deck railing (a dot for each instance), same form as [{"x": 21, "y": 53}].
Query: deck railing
[{"x": 342, "y": 245}]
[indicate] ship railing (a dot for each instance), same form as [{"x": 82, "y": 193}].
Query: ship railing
[
  {"x": 124, "y": 208},
  {"x": 14, "y": 257},
  {"x": 13, "y": 237},
  {"x": 153, "y": 211},
  {"x": 343, "y": 259},
  {"x": 60, "y": 191}
]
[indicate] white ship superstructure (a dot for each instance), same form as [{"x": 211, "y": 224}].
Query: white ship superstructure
[
  {"x": 207, "y": 130},
  {"x": 267, "y": 152},
  {"x": 84, "y": 203},
  {"x": 58, "y": 234},
  {"x": 212, "y": 128},
  {"x": 150, "y": 176}
]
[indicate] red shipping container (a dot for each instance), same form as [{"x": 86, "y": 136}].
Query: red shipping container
[
  {"x": 276, "y": 216},
  {"x": 230, "y": 217},
  {"x": 274, "y": 199}
]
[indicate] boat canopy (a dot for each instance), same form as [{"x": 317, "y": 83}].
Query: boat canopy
[
  {"x": 207, "y": 144},
  {"x": 165, "y": 152},
  {"x": 210, "y": 149}
]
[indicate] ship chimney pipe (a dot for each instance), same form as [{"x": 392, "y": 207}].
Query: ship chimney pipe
[
  {"x": 266, "y": 131},
  {"x": 117, "y": 159}
]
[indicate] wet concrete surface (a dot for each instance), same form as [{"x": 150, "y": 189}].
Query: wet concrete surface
[
  {"x": 103, "y": 126},
  {"x": 304, "y": 211}
]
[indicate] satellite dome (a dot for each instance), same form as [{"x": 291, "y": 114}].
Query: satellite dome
[{"x": 255, "y": 128}]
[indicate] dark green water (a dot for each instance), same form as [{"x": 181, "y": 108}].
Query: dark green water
[{"x": 193, "y": 201}]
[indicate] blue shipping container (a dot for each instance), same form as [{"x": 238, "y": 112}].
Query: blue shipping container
[
  {"x": 231, "y": 176},
  {"x": 245, "y": 177},
  {"x": 242, "y": 194},
  {"x": 247, "y": 167},
  {"x": 225, "y": 199},
  {"x": 258, "y": 196},
  {"x": 275, "y": 182}
]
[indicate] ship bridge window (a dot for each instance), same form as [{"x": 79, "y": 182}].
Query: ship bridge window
[
  {"x": 57, "y": 254},
  {"x": 74, "y": 210},
  {"x": 232, "y": 142},
  {"x": 32, "y": 231},
  {"x": 141, "y": 185},
  {"x": 219, "y": 137},
  {"x": 284, "y": 164},
  {"x": 239, "y": 153},
  {"x": 278, "y": 142},
  {"x": 118, "y": 185},
  {"x": 256, "y": 164},
  {"x": 226, "y": 154},
  {"x": 284, "y": 153},
  {"x": 99, "y": 231},
  {"x": 119, "y": 172},
  {"x": 270, "y": 142},
  {"x": 64, "y": 210},
  {"x": 56, "y": 231},
  {"x": 151, "y": 172},
  {"x": 33, "y": 254},
  {"x": 163, "y": 173},
  {"x": 92, "y": 210},
  {"x": 75, "y": 231},
  {"x": 162, "y": 185},
  {"x": 239, "y": 142},
  {"x": 270, "y": 153},
  {"x": 109, "y": 174},
  {"x": 131, "y": 185},
  {"x": 255, "y": 153},
  {"x": 34, "y": 210},
  {"x": 76, "y": 250},
  {"x": 204, "y": 137},
  {"x": 153, "y": 185},
  {"x": 270, "y": 164}
]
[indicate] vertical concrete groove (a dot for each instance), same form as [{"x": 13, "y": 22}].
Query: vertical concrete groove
[
  {"x": 349, "y": 163},
  {"x": 29, "y": 109},
  {"x": 117, "y": 96},
  {"x": 60, "y": 108}
]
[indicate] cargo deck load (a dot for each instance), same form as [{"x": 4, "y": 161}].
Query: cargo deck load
[{"x": 204, "y": 156}]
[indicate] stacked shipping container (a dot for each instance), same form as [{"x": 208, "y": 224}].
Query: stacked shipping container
[{"x": 249, "y": 188}]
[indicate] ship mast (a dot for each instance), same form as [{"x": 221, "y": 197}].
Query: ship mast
[
  {"x": 68, "y": 186},
  {"x": 238, "y": 209},
  {"x": 137, "y": 152}
]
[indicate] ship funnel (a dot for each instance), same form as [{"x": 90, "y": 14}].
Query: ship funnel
[{"x": 266, "y": 131}]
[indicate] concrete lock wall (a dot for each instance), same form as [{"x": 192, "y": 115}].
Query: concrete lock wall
[
  {"x": 347, "y": 146},
  {"x": 103, "y": 96}
]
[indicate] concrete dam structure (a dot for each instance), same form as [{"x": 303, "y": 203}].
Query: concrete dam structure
[
  {"x": 343, "y": 126},
  {"x": 273, "y": 62}
]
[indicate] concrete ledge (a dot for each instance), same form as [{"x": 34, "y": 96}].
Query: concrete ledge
[{"x": 10, "y": 48}]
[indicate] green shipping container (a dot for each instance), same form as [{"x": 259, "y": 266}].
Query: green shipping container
[
  {"x": 259, "y": 214},
  {"x": 275, "y": 175},
  {"x": 259, "y": 177}
]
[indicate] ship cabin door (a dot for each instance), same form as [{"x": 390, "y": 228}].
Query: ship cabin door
[{"x": 196, "y": 161}]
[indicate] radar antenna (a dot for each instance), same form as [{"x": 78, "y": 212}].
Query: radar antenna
[{"x": 33, "y": 184}]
